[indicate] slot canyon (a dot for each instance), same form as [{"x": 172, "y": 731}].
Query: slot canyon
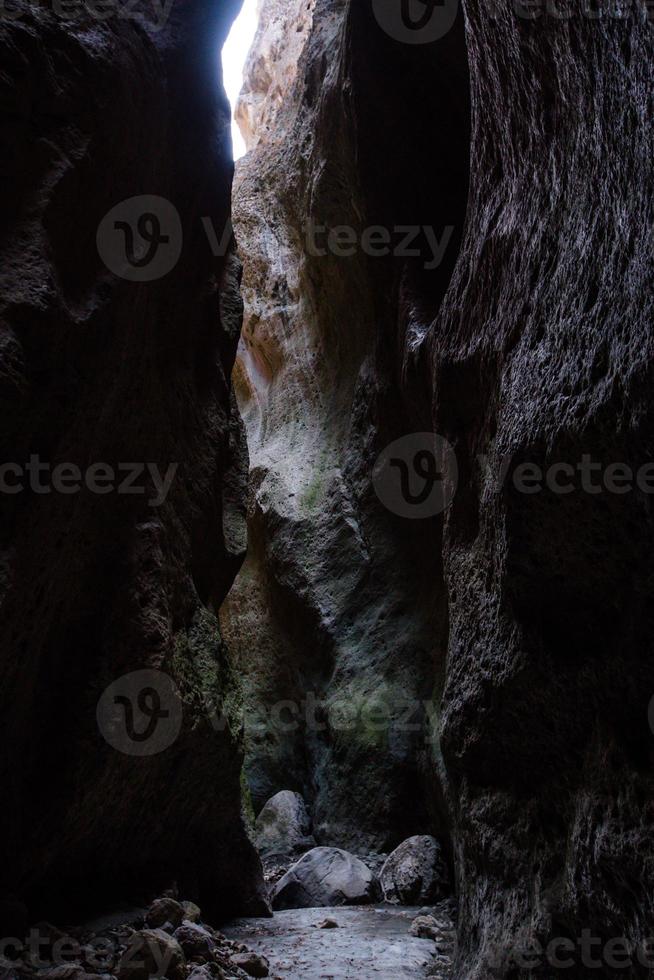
[{"x": 326, "y": 491}]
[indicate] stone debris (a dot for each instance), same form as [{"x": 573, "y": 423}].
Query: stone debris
[{"x": 129, "y": 946}]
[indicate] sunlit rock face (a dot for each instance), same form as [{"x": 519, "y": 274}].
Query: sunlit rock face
[
  {"x": 272, "y": 67},
  {"x": 95, "y": 369},
  {"x": 340, "y": 607},
  {"x": 521, "y": 619}
]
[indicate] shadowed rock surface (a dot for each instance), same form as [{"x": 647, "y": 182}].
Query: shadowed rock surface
[
  {"x": 415, "y": 873},
  {"x": 97, "y": 369}
]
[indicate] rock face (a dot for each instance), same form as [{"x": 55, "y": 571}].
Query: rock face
[
  {"x": 284, "y": 826},
  {"x": 324, "y": 878},
  {"x": 100, "y": 370},
  {"x": 415, "y": 873},
  {"x": 338, "y": 617},
  {"x": 518, "y": 621},
  {"x": 273, "y": 66}
]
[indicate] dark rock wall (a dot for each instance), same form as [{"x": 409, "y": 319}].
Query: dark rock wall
[
  {"x": 525, "y": 618},
  {"x": 97, "y": 369},
  {"x": 542, "y": 352}
]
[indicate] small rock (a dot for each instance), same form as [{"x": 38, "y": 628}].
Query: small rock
[
  {"x": 195, "y": 941},
  {"x": 192, "y": 912},
  {"x": 164, "y": 910},
  {"x": 152, "y": 951},
  {"x": 425, "y": 927},
  {"x": 251, "y": 963},
  {"x": 327, "y": 924}
]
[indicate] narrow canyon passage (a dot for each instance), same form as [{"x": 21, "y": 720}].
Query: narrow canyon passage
[
  {"x": 333, "y": 613},
  {"x": 339, "y": 640},
  {"x": 326, "y": 523}
]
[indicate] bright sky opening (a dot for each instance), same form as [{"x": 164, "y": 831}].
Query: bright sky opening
[{"x": 235, "y": 52}]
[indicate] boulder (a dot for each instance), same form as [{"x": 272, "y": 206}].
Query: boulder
[
  {"x": 323, "y": 878},
  {"x": 164, "y": 910},
  {"x": 192, "y": 912},
  {"x": 415, "y": 873},
  {"x": 195, "y": 940},
  {"x": 251, "y": 963},
  {"x": 284, "y": 825},
  {"x": 152, "y": 952}
]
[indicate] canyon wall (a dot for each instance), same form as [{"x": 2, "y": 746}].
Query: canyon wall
[
  {"x": 518, "y": 619},
  {"x": 107, "y": 365},
  {"x": 339, "y": 614}
]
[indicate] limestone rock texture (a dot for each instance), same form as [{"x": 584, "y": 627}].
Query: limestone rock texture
[
  {"x": 284, "y": 826},
  {"x": 338, "y": 616},
  {"x": 325, "y": 877},
  {"x": 520, "y": 621},
  {"x": 98, "y": 369},
  {"x": 415, "y": 873}
]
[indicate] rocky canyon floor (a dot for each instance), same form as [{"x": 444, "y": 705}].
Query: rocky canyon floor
[{"x": 303, "y": 944}]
